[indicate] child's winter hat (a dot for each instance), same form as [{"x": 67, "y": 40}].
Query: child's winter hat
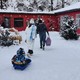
[{"x": 20, "y": 51}]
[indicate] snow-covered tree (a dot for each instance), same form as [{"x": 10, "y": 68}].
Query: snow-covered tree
[
  {"x": 35, "y": 5},
  {"x": 3, "y": 4}
]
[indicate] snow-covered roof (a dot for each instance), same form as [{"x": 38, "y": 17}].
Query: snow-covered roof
[
  {"x": 8, "y": 11},
  {"x": 71, "y": 7}
]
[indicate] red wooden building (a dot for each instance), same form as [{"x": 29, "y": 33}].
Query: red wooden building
[
  {"x": 19, "y": 20},
  {"x": 72, "y": 11},
  {"x": 53, "y": 20}
]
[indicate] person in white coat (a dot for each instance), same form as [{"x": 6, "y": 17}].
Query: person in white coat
[{"x": 30, "y": 36}]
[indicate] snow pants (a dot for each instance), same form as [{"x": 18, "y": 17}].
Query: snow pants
[{"x": 42, "y": 39}]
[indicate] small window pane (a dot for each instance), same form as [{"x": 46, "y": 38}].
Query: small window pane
[{"x": 18, "y": 22}]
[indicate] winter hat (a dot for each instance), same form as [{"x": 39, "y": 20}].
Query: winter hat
[
  {"x": 20, "y": 51},
  {"x": 31, "y": 21},
  {"x": 40, "y": 21}
]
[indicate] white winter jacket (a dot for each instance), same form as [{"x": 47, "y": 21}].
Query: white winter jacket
[{"x": 30, "y": 36}]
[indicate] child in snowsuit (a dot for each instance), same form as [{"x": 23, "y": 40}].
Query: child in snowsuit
[
  {"x": 19, "y": 60},
  {"x": 30, "y": 36},
  {"x": 19, "y": 57}
]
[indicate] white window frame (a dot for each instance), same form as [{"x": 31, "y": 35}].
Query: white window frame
[
  {"x": 78, "y": 20},
  {"x": 63, "y": 18}
]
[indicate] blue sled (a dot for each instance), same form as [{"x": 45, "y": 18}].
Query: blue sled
[{"x": 21, "y": 66}]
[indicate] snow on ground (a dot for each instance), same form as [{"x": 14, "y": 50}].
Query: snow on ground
[{"x": 60, "y": 61}]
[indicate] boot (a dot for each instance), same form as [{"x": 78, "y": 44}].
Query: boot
[
  {"x": 43, "y": 47},
  {"x": 40, "y": 47}
]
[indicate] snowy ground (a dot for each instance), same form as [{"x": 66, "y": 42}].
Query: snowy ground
[{"x": 60, "y": 61}]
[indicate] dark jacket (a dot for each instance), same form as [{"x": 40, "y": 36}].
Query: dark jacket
[{"x": 41, "y": 28}]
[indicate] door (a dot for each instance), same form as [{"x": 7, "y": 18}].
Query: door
[{"x": 7, "y": 22}]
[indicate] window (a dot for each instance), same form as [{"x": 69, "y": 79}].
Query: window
[
  {"x": 78, "y": 20},
  {"x": 63, "y": 19},
  {"x": 6, "y": 22},
  {"x": 18, "y": 22}
]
